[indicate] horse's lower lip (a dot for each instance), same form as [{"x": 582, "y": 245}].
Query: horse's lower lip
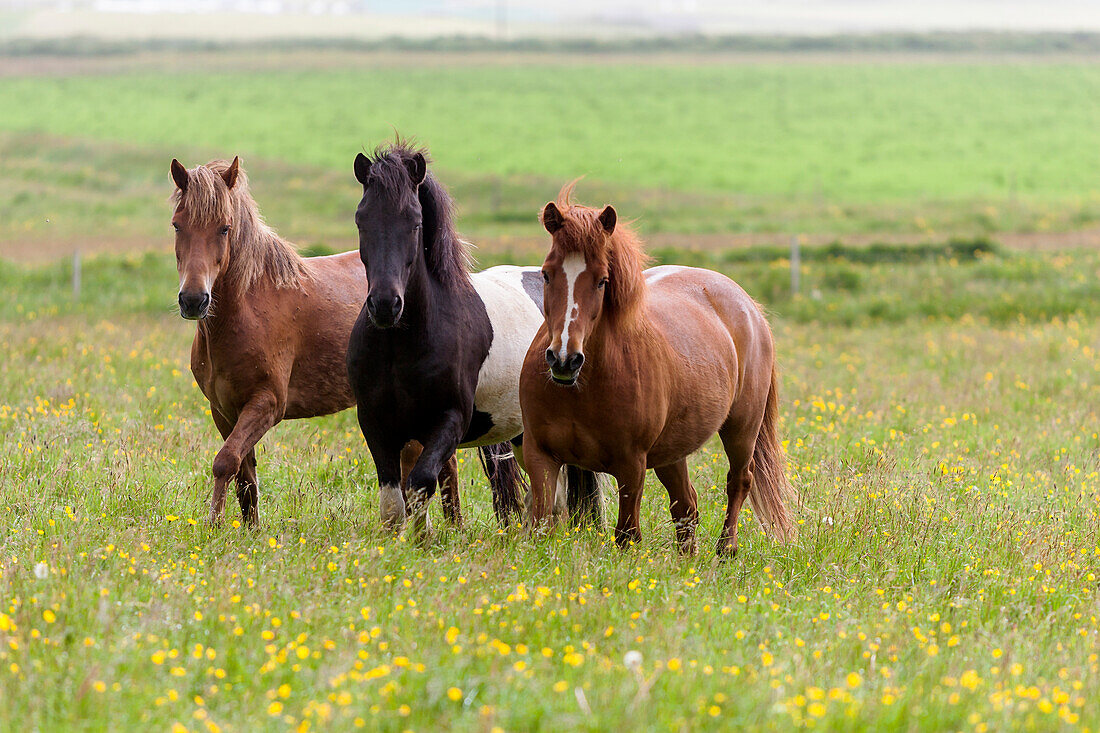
[
  {"x": 566, "y": 380},
  {"x": 378, "y": 324},
  {"x": 193, "y": 316}
]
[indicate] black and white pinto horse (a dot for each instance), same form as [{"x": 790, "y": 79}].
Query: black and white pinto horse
[{"x": 436, "y": 353}]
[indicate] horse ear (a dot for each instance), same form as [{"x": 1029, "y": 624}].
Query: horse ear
[
  {"x": 608, "y": 217},
  {"x": 179, "y": 175},
  {"x": 552, "y": 218},
  {"x": 362, "y": 168},
  {"x": 230, "y": 175},
  {"x": 418, "y": 168}
]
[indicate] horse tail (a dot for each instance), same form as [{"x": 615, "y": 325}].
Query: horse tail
[
  {"x": 505, "y": 480},
  {"x": 771, "y": 491},
  {"x": 583, "y": 496}
]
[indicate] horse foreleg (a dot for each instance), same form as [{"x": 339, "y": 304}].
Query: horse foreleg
[
  {"x": 683, "y": 503},
  {"x": 439, "y": 449},
  {"x": 631, "y": 480},
  {"x": 248, "y": 490},
  {"x": 257, "y": 417},
  {"x": 544, "y": 473},
  {"x": 448, "y": 481}
]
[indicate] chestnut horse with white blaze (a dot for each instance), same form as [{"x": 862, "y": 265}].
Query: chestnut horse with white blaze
[
  {"x": 272, "y": 327},
  {"x": 636, "y": 369}
]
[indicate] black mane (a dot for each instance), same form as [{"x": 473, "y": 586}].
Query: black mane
[{"x": 446, "y": 253}]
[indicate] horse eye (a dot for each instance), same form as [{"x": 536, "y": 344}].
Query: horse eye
[
  {"x": 601, "y": 283},
  {"x": 546, "y": 277},
  {"x": 175, "y": 226},
  {"x": 223, "y": 231}
]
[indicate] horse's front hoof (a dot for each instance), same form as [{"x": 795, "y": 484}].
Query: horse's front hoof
[{"x": 391, "y": 507}]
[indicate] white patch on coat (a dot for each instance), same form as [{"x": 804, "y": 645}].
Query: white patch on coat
[
  {"x": 515, "y": 319},
  {"x": 573, "y": 265}
]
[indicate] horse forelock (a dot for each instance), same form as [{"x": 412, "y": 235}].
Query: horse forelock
[
  {"x": 255, "y": 250},
  {"x": 207, "y": 199},
  {"x": 448, "y": 254},
  {"x": 582, "y": 233}
]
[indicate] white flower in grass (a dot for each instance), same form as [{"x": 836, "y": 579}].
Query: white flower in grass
[
  {"x": 633, "y": 660},
  {"x": 41, "y": 571}
]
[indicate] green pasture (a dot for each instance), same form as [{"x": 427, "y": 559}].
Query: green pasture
[{"x": 940, "y": 415}]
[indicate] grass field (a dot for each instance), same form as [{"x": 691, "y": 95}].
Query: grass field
[
  {"x": 926, "y": 149},
  {"x": 939, "y": 403},
  {"x": 945, "y": 575}
]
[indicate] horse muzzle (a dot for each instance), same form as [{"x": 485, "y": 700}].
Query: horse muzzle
[
  {"x": 385, "y": 310},
  {"x": 565, "y": 371},
  {"x": 194, "y": 306}
]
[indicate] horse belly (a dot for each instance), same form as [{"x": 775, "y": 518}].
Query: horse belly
[{"x": 515, "y": 319}]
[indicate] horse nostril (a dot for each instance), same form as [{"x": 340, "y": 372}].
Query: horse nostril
[
  {"x": 551, "y": 357},
  {"x": 575, "y": 362},
  {"x": 205, "y": 301}
]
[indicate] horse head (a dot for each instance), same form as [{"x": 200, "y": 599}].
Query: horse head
[
  {"x": 593, "y": 271},
  {"x": 202, "y": 222}
]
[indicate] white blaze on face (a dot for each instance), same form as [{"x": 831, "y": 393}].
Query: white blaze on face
[{"x": 573, "y": 265}]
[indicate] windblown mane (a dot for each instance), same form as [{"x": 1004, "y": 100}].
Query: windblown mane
[
  {"x": 255, "y": 250},
  {"x": 582, "y": 232},
  {"x": 446, "y": 253}
]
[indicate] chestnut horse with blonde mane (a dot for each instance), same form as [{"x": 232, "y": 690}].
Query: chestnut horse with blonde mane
[
  {"x": 273, "y": 329},
  {"x": 636, "y": 369}
]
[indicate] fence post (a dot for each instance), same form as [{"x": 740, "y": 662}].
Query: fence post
[
  {"x": 76, "y": 275},
  {"x": 796, "y": 264}
]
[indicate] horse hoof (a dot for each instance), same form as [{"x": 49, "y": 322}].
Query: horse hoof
[
  {"x": 726, "y": 549},
  {"x": 689, "y": 547},
  {"x": 626, "y": 540},
  {"x": 391, "y": 506}
]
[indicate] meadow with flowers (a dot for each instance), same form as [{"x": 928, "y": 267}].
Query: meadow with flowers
[
  {"x": 940, "y": 406},
  {"x": 945, "y": 574}
]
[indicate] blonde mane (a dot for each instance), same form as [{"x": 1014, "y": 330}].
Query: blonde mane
[{"x": 255, "y": 250}]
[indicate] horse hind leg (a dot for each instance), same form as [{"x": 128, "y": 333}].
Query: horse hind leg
[
  {"x": 738, "y": 485},
  {"x": 449, "y": 492},
  {"x": 683, "y": 503}
]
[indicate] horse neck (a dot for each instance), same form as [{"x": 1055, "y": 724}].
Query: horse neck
[{"x": 422, "y": 292}]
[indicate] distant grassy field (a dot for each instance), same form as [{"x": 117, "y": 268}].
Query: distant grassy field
[
  {"x": 922, "y": 148},
  {"x": 941, "y": 418}
]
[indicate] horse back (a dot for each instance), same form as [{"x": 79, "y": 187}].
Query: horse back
[{"x": 722, "y": 344}]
